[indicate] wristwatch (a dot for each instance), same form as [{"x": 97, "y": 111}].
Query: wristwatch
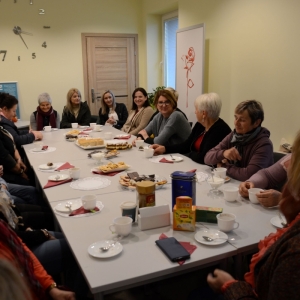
[
  {"x": 21, "y": 172},
  {"x": 52, "y": 286}
]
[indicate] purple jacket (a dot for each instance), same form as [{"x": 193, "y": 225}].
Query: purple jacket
[{"x": 257, "y": 154}]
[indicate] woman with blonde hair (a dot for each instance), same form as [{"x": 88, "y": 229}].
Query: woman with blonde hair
[{"x": 75, "y": 111}]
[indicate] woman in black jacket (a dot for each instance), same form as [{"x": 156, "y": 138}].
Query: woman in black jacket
[
  {"x": 112, "y": 113},
  {"x": 208, "y": 132}
]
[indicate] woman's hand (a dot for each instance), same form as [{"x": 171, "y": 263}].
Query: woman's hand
[
  {"x": 37, "y": 135},
  {"x": 269, "y": 198},
  {"x": 58, "y": 294},
  {"x": 111, "y": 121},
  {"x": 144, "y": 134},
  {"x": 158, "y": 149},
  {"x": 232, "y": 154},
  {"x": 244, "y": 187},
  {"x": 220, "y": 277}
]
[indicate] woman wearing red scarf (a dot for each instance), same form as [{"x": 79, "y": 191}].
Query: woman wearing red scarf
[
  {"x": 44, "y": 115},
  {"x": 275, "y": 269}
]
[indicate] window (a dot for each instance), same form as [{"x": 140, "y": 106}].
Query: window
[{"x": 170, "y": 26}]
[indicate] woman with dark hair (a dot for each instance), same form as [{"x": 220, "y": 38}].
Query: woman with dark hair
[
  {"x": 8, "y": 105},
  {"x": 140, "y": 113},
  {"x": 44, "y": 115},
  {"x": 111, "y": 112},
  {"x": 75, "y": 111},
  {"x": 248, "y": 148}
]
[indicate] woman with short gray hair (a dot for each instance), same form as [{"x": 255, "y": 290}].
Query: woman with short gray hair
[
  {"x": 44, "y": 115},
  {"x": 207, "y": 132}
]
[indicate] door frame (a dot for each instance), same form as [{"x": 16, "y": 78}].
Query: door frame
[{"x": 84, "y": 36}]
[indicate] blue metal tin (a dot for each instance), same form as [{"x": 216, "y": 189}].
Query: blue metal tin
[{"x": 183, "y": 184}]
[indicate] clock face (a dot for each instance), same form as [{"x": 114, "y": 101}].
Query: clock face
[{"x": 17, "y": 30}]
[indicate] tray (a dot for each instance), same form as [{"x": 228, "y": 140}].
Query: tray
[{"x": 89, "y": 147}]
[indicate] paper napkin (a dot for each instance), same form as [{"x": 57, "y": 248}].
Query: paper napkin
[
  {"x": 54, "y": 183},
  {"x": 81, "y": 211}
]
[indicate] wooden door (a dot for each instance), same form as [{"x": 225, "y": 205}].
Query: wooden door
[{"x": 110, "y": 63}]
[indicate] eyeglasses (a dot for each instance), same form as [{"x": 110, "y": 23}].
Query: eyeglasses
[{"x": 167, "y": 103}]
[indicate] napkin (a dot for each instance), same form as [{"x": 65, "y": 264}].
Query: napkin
[
  {"x": 107, "y": 174},
  {"x": 187, "y": 245},
  {"x": 192, "y": 171},
  {"x": 163, "y": 160},
  {"x": 54, "y": 183},
  {"x": 65, "y": 166},
  {"x": 88, "y": 129},
  {"x": 81, "y": 211},
  {"x": 44, "y": 147},
  {"x": 124, "y": 137}
]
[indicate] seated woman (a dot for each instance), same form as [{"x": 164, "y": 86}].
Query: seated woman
[
  {"x": 140, "y": 113},
  {"x": 8, "y": 105},
  {"x": 75, "y": 111},
  {"x": 169, "y": 127},
  {"x": 275, "y": 269},
  {"x": 207, "y": 132},
  {"x": 248, "y": 148},
  {"x": 44, "y": 115},
  {"x": 271, "y": 179},
  {"x": 111, "y": 112}
]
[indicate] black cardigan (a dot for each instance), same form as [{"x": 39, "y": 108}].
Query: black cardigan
[
  {"x": 212, "y": 137},
  {"x": 122, "y": 113}
]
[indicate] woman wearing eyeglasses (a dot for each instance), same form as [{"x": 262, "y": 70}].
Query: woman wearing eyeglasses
[
  {"x": 111, "y": 112},
  {"x": 169, "y": 126}
]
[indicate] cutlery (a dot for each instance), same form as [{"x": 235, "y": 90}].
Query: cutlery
[
  {"x": 69, "y": 205},
  {"x": 172, "y": 157},
  {"x": 284, "y": 224},
  {"x": 106, "y": 248},
  {"x": 209, "y": 239}
]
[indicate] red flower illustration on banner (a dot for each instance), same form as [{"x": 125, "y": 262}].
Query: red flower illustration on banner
[{"x": 189, "y": 63}]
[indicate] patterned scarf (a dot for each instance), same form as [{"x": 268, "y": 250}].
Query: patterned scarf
[
  {"x": 40, "y": 115},
  {"x": 22, "y": 260},
  {"x": 7, "y": 211}
]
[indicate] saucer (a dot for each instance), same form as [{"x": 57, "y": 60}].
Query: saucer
[
  {"x": 46, "y": 167},
  {"x": 94, "y": 249},
  {"x": 212, "y": 233},
  {"x": 59, "y": 177},
  {"x": 61, "y": 207},
  {"x": 275, "y": 221}
]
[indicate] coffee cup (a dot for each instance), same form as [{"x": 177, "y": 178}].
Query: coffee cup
[
  {"x": 230, "y": 193},
  {"x": 139, "y": 143},
  {"x": 74, "y": 173},
  {"x": 226, "y": 222},
  {"x": 47, "y": 128},
  {"x": 220, "y": 172},
  {"x": 97, "y": 127},
  {"x": 92, "y": 125},
  {"x": 108, "y": 135},
  {"x": 148, "y": 152},
  {"x": 88, "y": 202},
  {"x": 74, "y": 125},
  {"x": 252, "y": 194},
  {"x": 121, "y": 226},
  {"x": 128, "y": 209}
]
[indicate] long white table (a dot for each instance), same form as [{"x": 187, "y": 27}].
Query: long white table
[{"x": 141, "y": 261}]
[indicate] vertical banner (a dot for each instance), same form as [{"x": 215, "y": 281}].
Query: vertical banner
[
  {"x": 12, "y": 89},
  {"x": 190, "y": 45}
]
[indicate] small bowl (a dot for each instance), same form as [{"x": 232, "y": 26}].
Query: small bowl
[
  {"x": 230, "y": 193},
  {"x": 252, "y": 194},
  {"x": 215, "y": 182},
  {"x": 98, "y": 156}
]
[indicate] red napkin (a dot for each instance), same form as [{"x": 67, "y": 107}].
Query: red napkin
[
  {"x": 163, "y": 160},
  {"x": 54, "y": 183},
  {"x": 82, "y": 133},
  {"x": 88, "y": 129},
  {"x": 44, "y": 147},
  {"x": 65, "y": 166},
  {"x": 107, "y": 174},
  {"x": 188, "y": 247},
  {"x": 81, "y": 211},
  {"x": 192, "y": 171},
  {"x": 125, "y": 137}
]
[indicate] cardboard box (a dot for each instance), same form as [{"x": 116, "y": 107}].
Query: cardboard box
[
  {"x": 184, "y": 218},
  {"x": 207, "y": 214}
]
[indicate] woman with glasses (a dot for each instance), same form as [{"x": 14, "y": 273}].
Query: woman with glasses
[
  {"x": 111, "y": 112},
  {"x": 169, "y": 126},
  {"x": 207, "y": 132},
  {"x": 248, "y": 148},
  {"x": 140, "y": 113}
]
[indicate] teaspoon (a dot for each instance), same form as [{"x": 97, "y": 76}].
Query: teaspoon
[
  {"x": 209, "y": 239},
  {"x": 106, "y": 248}
]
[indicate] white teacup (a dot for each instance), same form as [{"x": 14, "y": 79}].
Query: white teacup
[
  {"x": 252, "y": 194},
  {"x": 88, "y": 202},
  {"x": 226, "y": 222},
  {"x": 74, "y": 173},
  {"x": 230, "y": 193},
  {"x": 74, "y": 125},
  {"x": 97, "y": 127},
  {"x": 92, "y": 125},
  {"x": 139, "y": 143},
  {"x": 47, "y": 128},
  {"x": 148, "y": 152},
  {"x": 220, "y": 172},
  {"x": 121, "y": 225},
  {"x": 108, "y": 135}
]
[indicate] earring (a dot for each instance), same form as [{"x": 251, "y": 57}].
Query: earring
[{"x": 202, "y": 120}]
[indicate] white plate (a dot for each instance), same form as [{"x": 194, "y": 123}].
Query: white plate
[
  {"x": 54, "y": 129},
  {"x": 38, "y": 150},
  {"x": 89, "y": 147},
  {"x": 125, "y": 167},
  {"x": 58, "y": 177},
  {"x": 90, "y": 183},
  {"x": 61, "y": 207},
  {"x": 114, "y": 250},
  {"x": 275, "y": 221},
  {"x": 45, "y": 167},
  {"x": 212, "y": 233},
  {"x": 173, "y": 158},
  {"x": 227, "y": 179},
  {"x": 84, "y": 126}
]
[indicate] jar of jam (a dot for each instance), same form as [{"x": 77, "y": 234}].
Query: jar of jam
[{"x": 145, "y": 193}]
